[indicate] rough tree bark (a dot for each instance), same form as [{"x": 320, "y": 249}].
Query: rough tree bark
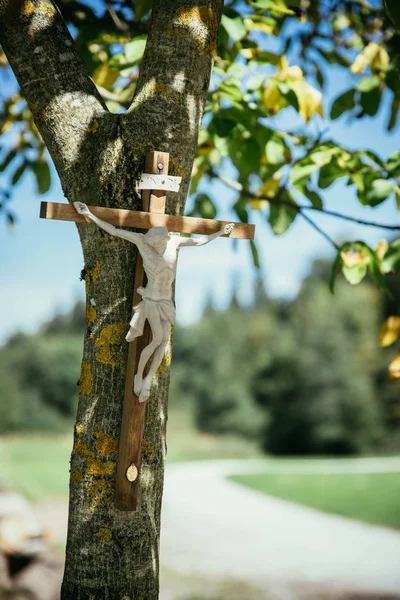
[{"x": 98, "y": 155}]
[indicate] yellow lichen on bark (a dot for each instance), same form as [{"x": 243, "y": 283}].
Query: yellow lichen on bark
[
  {"x": 100, "y": 492},
  {"x": 76, "y": 476},
  {"x": 148, "y": 450},
  {"x": 99, "y": 469},
  {"x": 82, "y": 450},
  {"x": 110, "y": 346},
  {"x": 105, "y": 443},
  {"x": 175, "y": 168},
  {"x": 91, "y": 314},
  {"x": 167, "y": 358},
  {"x": 170, "y": 94},
  {"x": 93, "y": 127},
  {"x": 41, "y": 117},
  {"x": 202, "y": 23},
  {"x": 86, "y": 379},
  {"x": 79, "y": 428},
  {"x": 92, "y": 275},
  {"x": 28, "y": 8},
  {"x": 104, "y": 534}
]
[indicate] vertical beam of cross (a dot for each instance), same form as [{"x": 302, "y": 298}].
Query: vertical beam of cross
[{"x": 127, "y": 489}]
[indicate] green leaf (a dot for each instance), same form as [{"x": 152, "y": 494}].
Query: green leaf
[
  {"x": 301, "y": 173},
  {"x": 141, "y": 8},
  {"x": 204, "y": 207},
  {"x": 367, "y": 84},
  {"x": 393, "y": 164},
  {"x": 234, "y": 26},
  {"x": 134, "y": 50},
  {"x": 354, "y": 275},
  {"x": 240, "y": 208},
  {"x": 370, "y": 102},
  {"x": 329, "y": 173},
  {"x": 11, "y": 220},
  {"x": 289, "y": 94},
  {"x": 232, "y": 92},
  {"x": 370, "y": 259},
  {"x": 391, "y": 260},
  {"x": 393, "y": 81},
  {"x": 274, "y": 149},
  {"x": 43, "y": 177},
  {"x": 282, "y": 216},
  {"x": 376, "y": 191},
  {"x": 222, "y": 126},
  {"x": 18, "y": 173},
  {"x": 393, "y": 9},
  {"x": 254, "y": 253},
  {"x": 313, "y": 197},
  {"x": 319, "y": 76},
  {"x": 343, "y": 103},
  {"x": 9, "y": 157},
  {"x": 394, "y": 114},
  {"x": 255, "y": 83}
]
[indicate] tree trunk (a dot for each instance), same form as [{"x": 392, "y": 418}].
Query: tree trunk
[{"x": 98, "y": 156}]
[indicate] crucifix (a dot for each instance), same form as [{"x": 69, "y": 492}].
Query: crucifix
[{"x": 153, "y": 308}]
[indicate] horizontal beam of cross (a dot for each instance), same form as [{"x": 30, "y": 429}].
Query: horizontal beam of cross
[{"x": 144, "y": 220}]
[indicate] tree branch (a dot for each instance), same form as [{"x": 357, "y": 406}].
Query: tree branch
[
  {"x": 301, "y": 207},
  {"x": 53, "y": 78}
]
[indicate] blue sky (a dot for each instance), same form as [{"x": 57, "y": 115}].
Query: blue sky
[{"x": 42, "y": 260}]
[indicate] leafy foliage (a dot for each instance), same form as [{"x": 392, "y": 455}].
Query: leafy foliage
[
  {"x": 302, "y": 378},
  {"x": 38, "y": 376},
  {"x": 272, "y": 56}
]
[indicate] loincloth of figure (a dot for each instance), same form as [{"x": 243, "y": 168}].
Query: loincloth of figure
[{"x": 148, "y": 308}]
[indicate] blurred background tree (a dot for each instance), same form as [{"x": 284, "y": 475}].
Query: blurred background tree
[{"x": 299, "y": 377}]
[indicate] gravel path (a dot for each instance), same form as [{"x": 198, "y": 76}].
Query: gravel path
[{"x": 214, "y": 527}]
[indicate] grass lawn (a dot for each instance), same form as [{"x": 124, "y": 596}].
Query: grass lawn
[
  {"x": 370, "y": 497},
  {"x": 38, "y": 465}
]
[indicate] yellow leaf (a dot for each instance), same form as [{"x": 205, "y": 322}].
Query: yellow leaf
[
  {"x": 272, "y": 98},
  {"x": 381, "y": 249},
  {"x": 351, "y": 258},
  {"x": 104, "y": 76},
  {"x": 381, "y": 60},
  {"x": 258, "y": 204},
  {"x": 249, "y": 53},
  {"x": 398, "y": 197},
  {"x": 310, "y": 102},
  {"x": 270, "y": 186},
  {"x": 284, "y": 64},
  {"x": 265, "y": 26},
  {"x": 286, "y": 73},
  {"x": 394, "y": 369},
  {"x": 6, "y": 125},
  {"x": 365, "y": 58},
  {"x": 390, "y": 331}
]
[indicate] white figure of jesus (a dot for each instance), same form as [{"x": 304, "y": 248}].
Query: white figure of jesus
[{"x": 159, "y": 252}]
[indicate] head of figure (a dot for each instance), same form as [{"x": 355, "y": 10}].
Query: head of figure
[{"x": 157, "y": 237}]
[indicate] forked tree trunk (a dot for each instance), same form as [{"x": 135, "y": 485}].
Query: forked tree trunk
[{"x": 98, "y": 156}]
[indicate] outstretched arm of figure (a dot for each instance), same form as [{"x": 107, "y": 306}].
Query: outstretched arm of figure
[
  {"x": 205, "y": 239},
  {"x": 135, "y": 238}
]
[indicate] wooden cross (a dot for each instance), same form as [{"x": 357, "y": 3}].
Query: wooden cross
[{"x": 127, "y": 490}]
